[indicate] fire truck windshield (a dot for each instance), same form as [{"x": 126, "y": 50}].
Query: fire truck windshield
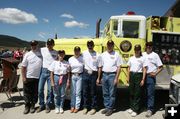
[{"x": 130, "y": 29}]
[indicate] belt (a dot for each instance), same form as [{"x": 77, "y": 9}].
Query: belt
[
  {"x": 109, "y": 72},
  {"x": 90, "y": 71},
  {"x": 136, "y": 72},
  {"x": 76, "y": 74}
]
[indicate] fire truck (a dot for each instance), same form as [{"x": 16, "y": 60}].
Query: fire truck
[{"x": 130, "y": 29}]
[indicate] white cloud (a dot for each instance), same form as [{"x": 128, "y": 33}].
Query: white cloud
[
  {"x": 46, "y": 20},
  {"x": 16, "y": 16},
  {"x": 42, "y": 35},
  {"x": 74, "y": 23},
  {"x": 65, "y": 15}
]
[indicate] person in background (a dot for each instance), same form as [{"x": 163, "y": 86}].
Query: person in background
[
  {"x": 49, "y": 55},
  {"x": 76, "y": 66},
  {"x": 111, "y": 62},
  {"x": 60, "y": 79},
  {"x": 92, "y": 72},
  {"x": 154, "y": 67},
  {"x": 31, "y": 67},
  {"x": 18, "y": 55},
  {"x": 136, "y": 77}
]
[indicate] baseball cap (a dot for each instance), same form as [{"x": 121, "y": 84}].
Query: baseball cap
[
  {"x": 33, "y": 42},
  {"x": 50, "y": 41},
  {"x": 137, "y": 47},
  {"x": 61, "y": 52},
  {"x": 90, "y": 42},
  {"x": 77, "y": 48},
  {"x": 149, "y": 44},
  {"x": 110, "y": 42}
]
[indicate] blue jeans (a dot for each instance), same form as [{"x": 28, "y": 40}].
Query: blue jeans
[
  {"x": 59, "y": 91},
  {"x": 150, "y": 87},
  {"x": 109, "y": 90},
  {"x": 89, "y": 90},
  {"x": 76, "y": 88},
  {"x": 45, "y": 76}
]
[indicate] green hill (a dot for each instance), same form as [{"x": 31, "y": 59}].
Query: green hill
[{"x": 10, "y": 41}]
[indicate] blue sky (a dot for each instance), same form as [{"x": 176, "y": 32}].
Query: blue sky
[{"x": 41, "y": 19}]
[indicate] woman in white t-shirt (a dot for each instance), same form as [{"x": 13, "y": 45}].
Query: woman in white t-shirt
[
  {"x": 136, "y": 77},
  {"x": 59, "y": 80},
  {"x": 76, "y": 64}
]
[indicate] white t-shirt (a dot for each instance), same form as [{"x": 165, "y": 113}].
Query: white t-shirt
[
  {"x": 110, "y": 61},
  {"x": 48, "y": 56},
  {"x": 33, "y": 63},
  {"x": 153, "y": 61},
  {"x": 59, "y": 68},
  {"x": 76, "y": 64},
  {"x": 137, "y": 64},
  {"x": 91, "y": 60}
]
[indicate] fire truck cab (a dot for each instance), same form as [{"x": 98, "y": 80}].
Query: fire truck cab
[{"x": 128, "y": 30}]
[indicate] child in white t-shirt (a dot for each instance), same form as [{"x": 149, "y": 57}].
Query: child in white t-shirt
[{"x": 59, "y": 80}]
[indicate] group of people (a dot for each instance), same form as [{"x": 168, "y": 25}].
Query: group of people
[{"x": 81, "y": 73}]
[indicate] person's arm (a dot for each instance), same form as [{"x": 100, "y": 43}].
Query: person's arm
[
  {"x": 144, "y": 76},
  {"x": 99, "y": 75},
  {"x": 23, "y": 71},
  {"x": 117, "y": 75},
  {"x": 52, "y": 78},
  {"x": 154, "y": 74},
  {"x": 68, "y": 80}
]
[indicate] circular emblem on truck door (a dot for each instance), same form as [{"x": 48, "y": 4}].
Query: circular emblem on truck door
[{"x": 125, "y": 46}]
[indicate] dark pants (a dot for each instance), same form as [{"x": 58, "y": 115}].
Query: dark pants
[
  {"x": 150, "y": 88},
  {"x": 89, "y": 90},
  {"x": 30, "y": 90},
  {"x": 135, "y": 91}
]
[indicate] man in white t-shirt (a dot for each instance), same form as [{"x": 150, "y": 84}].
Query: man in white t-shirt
[
  {"x": 154, "y": 67},
  {"x": 111, "y": 62},
  {"x": 48, "y": 55},
  {"x": 92, "y": 72},
  {"x": 31, "y": 67}
]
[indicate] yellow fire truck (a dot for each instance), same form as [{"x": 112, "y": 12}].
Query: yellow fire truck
[{"x": 127, "y": 31}]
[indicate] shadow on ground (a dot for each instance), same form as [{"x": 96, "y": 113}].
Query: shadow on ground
[{"x": 122, "y": 100}]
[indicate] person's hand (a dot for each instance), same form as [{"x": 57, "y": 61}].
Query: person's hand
[
  {"x": 127, "y": 80},
  {"x": 67, "y": 85},
  {"x": 153, "y": 74},
  {"x": 115, "y": 81},
  {"x": 142, "y": 83},
  {"x": 52, "y": 84},
  {"x": 98, "y": 81},
  {"x": 24, "y": 80}
]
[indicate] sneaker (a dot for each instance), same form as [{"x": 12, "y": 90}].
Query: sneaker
[
  {"x": 76, "y": 110},
  {"x": 26, "y": 110},
  {"x": 149, "y": 113},
  {"x": 85, "y": 111},
  {"x": 92, "y": 112},
  {"x": 109, "y": 112},
  {"x": 56, "y": 110},
  {"x": 32, "y": 108},
  {"x": 133, "y": 114},
  {"x": 104, "y": 111},
  {"x": 48, "y": 109},
  {"x": 72, "y": 109},
  {"x": 40, "y": 109},
  {"x": 129, "y": 111},
  {"x": 61, "y": 110}
]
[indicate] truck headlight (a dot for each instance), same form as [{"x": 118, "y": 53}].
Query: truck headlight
[{"x": 125, "y": 46}]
